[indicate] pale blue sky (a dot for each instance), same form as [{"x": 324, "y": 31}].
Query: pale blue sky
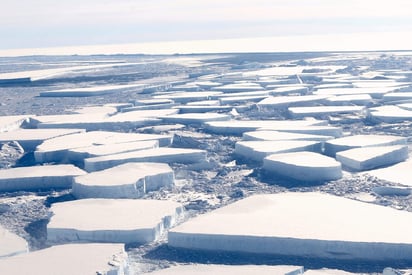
[{"x": 51, "y": 23}]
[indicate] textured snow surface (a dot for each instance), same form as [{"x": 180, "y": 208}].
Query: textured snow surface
[
  {"x": 69, "y": 259},
  {"x": 38, "y": 177},
  {"x": 275, "y": 225},
  {"x": 110, "y": 220},
  {"x": 11, "y": 244},
  {"x": 129, "y": 180}
]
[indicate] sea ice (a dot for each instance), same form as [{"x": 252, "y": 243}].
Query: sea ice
[
  {"x": 399, "y": 173},
  {"x": 258, "y": 150},
  {"x": 287, "y": 101},
  {"x": 366, "y": 158},
  {"x": 10, "y": 123},
  {"x": 230, "y": 270},
  {"x": 56, "y": 149},
  {"x": 277, "y": 135},
  {"x": 350, "y": 142},
  {"x": 303, "y": 166},
  {"x": 30, "y": 138},
  {"x": 390, "y": 114},
  {"x": 111, "y": 220},
  {"x": 325, "y": 226},
  {"x": 38, "y": 177},
  {"x": 69, "y": 259},
  {"x": 129, "y": 180},
  {"x": 90, "y": 91},
  {"x": 362, "y": 99},
  {"x": 164, "y": 155},
  {"x": 397, "y": 96},
  {"x": 204, "y": 108},
  {"x": 184, "y": 97},
  {"x": 319, "y": 111},
  {"x": 376, "y": 92},
  {"x": 238, "y": 87},
  {"x": 194, "y": 118},
  {"x": 11, "y": 244}
]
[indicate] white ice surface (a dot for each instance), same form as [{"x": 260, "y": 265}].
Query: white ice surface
[
  {"x": 277, "y": 135},
  {"x": 69, "y": 259},
  {"x": 299, "y": 112},
  {"x": 238, "y": 127},
  {"x": 111, "y": 220},
  {"x": 11, "y": 244},
  {"x": 294, "y": 224},
  {"x": 194, "y": 118},
  {"x": 303, "y": 166},
  {"x": 258, "y": 150},
  {"x": 313, "y": 130},
  {"x": 375, "y": 92},
  {"x": 10, "y": 123},
  {"x": 399, "y": 173},
  {"x": 184, "y": 97},
  {"x": 230, "y": 270},
  {"x": 90, "y": 91},
  {"x": 241, "y": 99},
  {"x": 362, "y": 99},
  {"x": 239, "y": 87},
  {"x": 164, "y": 155},
  {"x": 30, "y": 138},
  {"x": 350, "y": 142},
  {"x": 56, "y": 149},
  {"x": 391, "y": 114},
  {"x": 204, "y": 108},
  {"x": 290, "y": 89},
  {"x": 287, "y": 101},
  {"x": 397, "y": 96},
  {"x": 79, "y": 154},
  {"x": 38, "y": 177},
  {"x": 327, "y": 272},
  {"x": 129, "y": 180},
  {"x": 366, "y": 158}
]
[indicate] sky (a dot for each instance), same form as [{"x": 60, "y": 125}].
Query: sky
[{"x": 50, "y": 23}]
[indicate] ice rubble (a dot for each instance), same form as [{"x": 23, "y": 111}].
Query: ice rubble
[
  {"x": 303, "y": 166},
  {"x": 30, "y": 138},
  {"x": 230, "y": 270},
  {"x": 11, "y": 244},
  {"x": 56, "y": 149},
  {"x": 111, "y": 220},
  {"x": 360, "y": 159},
  {"x": 166, "y": 155},
  {"x": 319, "y": 111},
  {"x": 354, "y": 230},
  {"x": 10, "y": 123},
  {"x": 90, "y": 91},
  {"x": 38, "y": 177},
  {"x": 277, "y": 135},
  {"x": 129, "y": 180},
  {"x": 350, "y": 142},
  {"x": 258, "y": 150},
  {"x": 69, "y": 259}
]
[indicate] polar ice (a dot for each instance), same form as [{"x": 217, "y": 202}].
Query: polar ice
[{"x": 237, "y": 164}]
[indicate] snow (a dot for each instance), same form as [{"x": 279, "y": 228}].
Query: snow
[
  {"x": 318, "y": 111},
  {"x": 238, "y": 127},
  {"x": 390, "y": 114},
  {"x": 184, "y": 97},
  {"x": 90, "y": 91},
  {"x": 204, "y": 108},
  {"x": 325, "y": 271},
  {"x": 350, "y": 142},
  {"x": 313, "y": 130},
  {"x": 164, "y": 155},
  {"x": 56, "y": 149},
  {"x": 241, "y": 99},
  {"x": 399, "y": 173},
  {"x": 129, "y": 180},
  {"x": 10, "y": 123},
  {"x": 374, "y": 92},
  {"x": 30, "y": 138},
  {"x": 290, "y": 89},
  {"x": 11, "y": 244},
  {"x": 397, "y": 96},
  {"x": 104, "y": 109},
  {"x": 38, "y": 177},
  {"x": 277, "y": 225},
  {"x": 79, "y": 154},
  {"x": 111, "y": 220},
  {"x": 194, "y": 118},
  {"x": 69, "y": 259},
  {"x": 277, "y": 135},
  {"x": 230, "y": 270},
  {"x": 303, "y": 166},
  {"x": 360, "y": 159},
  {"x": 258, "y": 150},
  {"x": 238, "y": 87},
  {"x": 286, "y": 101}
]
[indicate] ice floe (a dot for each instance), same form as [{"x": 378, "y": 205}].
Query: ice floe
[
  {"x": 303, "y": 166},
  {"x": 360, "y": 159},
  {"x": 11, "y": 244},
  {"x": 10, "y": 123},
  {"x": 129, "y": 180},
  {"x": 354, "y": 230},
  {"x": 90, "y": 91},
  {"x": 319, "y": 111},
  {"x": 390, "y": 114},
  {"x": 69, "y": 259},
  {"x": 287, "y": 101},
  {"x": 111, "y": 220},
  {"x": 194, "y": 118},
  {"x": 38, "y": 177},
  {"x": 277, "y": 135}
]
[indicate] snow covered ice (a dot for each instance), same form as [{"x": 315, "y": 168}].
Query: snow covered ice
[
  {"x": 111, "y": 220},
  {"x": 11, "y": 244},
  {"x": 275, "y": 225}
]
